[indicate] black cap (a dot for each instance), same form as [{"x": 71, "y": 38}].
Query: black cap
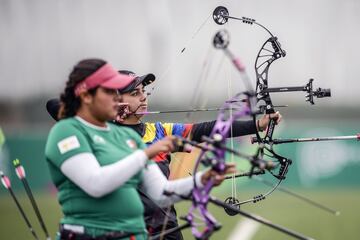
[
  {"x": 144, "y": 80},
  {"x": 52, "y": 107}
]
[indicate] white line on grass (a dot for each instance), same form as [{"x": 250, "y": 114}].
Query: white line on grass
[{"x": 244, "y": 230}]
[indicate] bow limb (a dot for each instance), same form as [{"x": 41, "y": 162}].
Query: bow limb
[
  {"x": 269, "y": 52},
  {"x": 213, "y": 155},
  {"x": 263, "y": 62}
]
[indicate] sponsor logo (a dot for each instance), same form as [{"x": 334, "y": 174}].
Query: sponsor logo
[{"x": 68, "y": 144}]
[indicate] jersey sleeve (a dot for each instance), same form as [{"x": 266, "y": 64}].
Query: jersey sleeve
[{"x": 64, "y": 141}]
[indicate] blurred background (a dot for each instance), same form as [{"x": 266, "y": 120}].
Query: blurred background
[{"x": 41, "y": 40}]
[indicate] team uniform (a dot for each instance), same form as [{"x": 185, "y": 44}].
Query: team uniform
[{"x": 118, "y": 211}]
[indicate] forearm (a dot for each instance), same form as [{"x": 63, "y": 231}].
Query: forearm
[
  {"x": 155, "y": 184},
  {"x": 239, "y": 128},
  {"x": 84, "y": 170}
]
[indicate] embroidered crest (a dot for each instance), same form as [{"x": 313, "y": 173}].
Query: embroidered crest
[
  {"x": 98, "y": 139},
  {"x": 131, "y": 143}
]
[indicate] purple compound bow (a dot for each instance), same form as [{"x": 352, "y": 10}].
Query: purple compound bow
[{"x": 213, "y": 155}]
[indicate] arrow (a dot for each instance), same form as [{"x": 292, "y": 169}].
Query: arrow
[
  {"x": 315, "y": 139},
  {"x": 197, "y": 110},
  {"x": 20, "y": 172},
  {"x": 7, "y": 184}
]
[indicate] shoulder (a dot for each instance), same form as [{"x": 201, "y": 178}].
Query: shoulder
[
  {"x": 65, "y": 125},
  {"x": 154, "y": 126},
  {"x": 159, "y": 127},
  {"x": 163, "y": 125},
  {"x": 64, "y": 129},
  {"x": 177, "y": 129},
  {"x": 66, "y": 139},
  {"x": 67, "y": 132},
  {"x": 123, "y": 130}
]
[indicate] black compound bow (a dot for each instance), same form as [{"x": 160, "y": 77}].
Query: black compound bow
[{"x": 269, "y": 52}]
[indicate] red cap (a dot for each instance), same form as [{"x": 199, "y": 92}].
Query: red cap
[{"x": 106, "y": 77}]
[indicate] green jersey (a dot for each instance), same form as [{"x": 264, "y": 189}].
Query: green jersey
[{"x": 120, "y": 210}]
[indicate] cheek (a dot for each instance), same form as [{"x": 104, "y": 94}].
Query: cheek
[
  {"x": 124, "y": 99},
  {"x": 106, "y": 102},
  {"x": 128, "y": 100}
]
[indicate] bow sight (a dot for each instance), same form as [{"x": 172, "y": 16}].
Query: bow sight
[{"x": 319, "y": 93}]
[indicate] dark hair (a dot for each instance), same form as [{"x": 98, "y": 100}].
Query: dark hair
[{"x": 69, "y": 102}]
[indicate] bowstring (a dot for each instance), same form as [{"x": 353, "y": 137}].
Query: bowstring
[
  {"x": 202, "y": 77},
  {"x": 203, "y": 80},
  {"x": 232, "y": 160},
  {"x": 170, "y": 65}
]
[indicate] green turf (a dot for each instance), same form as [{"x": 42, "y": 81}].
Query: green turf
[
  {"x": 12, "y": 225},
  {"x": 299, "y": 216},
  {"x": 279, "y": 208}
]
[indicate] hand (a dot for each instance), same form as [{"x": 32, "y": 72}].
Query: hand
[
  {"x": 164, "y": 145},
  {"x": 123, "y": 112},
  {"x": 263, "y": 122},
  {"x": 217, "y": 177}
]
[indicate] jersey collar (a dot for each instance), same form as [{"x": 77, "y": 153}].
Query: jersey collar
[{"x": 83, "y": 121}]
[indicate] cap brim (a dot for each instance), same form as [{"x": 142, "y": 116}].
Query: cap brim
[
  {"x": 119, "y": 81},
  {"x": 147, "y": 79},
  {"x": 144, "y": 80}
]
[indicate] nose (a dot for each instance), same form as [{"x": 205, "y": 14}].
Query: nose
[
  {"x": 117, "y": 96},
  {"x": 143, "y": 96}
]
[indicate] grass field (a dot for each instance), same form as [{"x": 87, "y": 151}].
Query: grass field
[{"x": 278, "y": 208}]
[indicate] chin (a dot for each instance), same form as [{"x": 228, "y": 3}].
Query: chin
[{"x": 112, "y": 117}]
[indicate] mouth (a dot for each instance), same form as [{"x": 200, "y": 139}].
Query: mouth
[
  {"x": 116, "y": 108},
  {"x": 142, "y": 108}
]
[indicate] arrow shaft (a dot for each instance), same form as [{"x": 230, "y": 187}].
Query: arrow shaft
[
  {"x": 35, "y": 206},
  {"x": 21, "y": 210},
  {"x": 305, "y": 199},
  {"x": 316, "y": 139}
]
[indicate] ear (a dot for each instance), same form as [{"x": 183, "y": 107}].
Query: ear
[{"x": 86, "y": 98}]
